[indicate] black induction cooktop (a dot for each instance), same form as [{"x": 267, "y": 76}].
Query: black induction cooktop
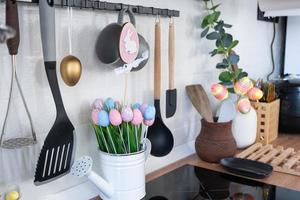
[{"x": 194, "y": 183}]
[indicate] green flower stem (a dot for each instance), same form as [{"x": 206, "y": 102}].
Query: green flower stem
[
  {"x": 128, "y": 137},
  {"x": 113, "y": 144},
  {"x": 121, "y": 134},
  {"x": 136, "y": 137},
  {"x": 104, "y": 140}
]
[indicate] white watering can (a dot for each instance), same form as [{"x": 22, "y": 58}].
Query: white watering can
[{"x": 123, "y": 176}]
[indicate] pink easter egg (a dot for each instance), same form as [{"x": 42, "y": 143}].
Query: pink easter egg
[
  {"x": 149, "y": 122},
  {"x": 243, "y": 105},
  {"x": 127, "y": 114},
  {"x": 255, "y": 94},
  {"x": 143, "y": 107},
  {"x": 115, "y": 117},
  {"x": 243, "y": 86},
  {"x": 137, "y": 117},
  {"x": 94, "y": 116},
  {"x": 98, "y": 104},
  {"x": 219, "y": 91}
]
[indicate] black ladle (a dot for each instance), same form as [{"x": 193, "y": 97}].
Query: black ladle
[{"x": 160, "y": 136}]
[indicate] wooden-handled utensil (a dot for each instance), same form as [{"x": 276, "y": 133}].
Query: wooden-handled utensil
[
  {"x": 160, "y": 136},
  {"x": 171, "y": 93},
  {"x": 56, "y": 156},
  {"x": 200, "y": 101}
]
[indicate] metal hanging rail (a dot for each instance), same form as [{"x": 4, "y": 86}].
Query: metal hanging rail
[{"x": 108, "y": 6}]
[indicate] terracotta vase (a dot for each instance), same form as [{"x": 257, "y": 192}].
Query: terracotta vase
[{"x": 215, "y": 141}]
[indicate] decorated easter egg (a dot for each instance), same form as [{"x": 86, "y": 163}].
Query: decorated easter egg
[
  {"x": 109, "y": 103},
  {"x": 115, "y": 117},
  {"x": 243, "y": 86},
  {"x": 13, "y": 195},
  {"x": 103, "y": 118},
  {"x": 98, "y": 104},
  {"x": 149, "y": 113},
  {"x": 127, "y": 114},
  {"x": 255, "y": 94},
  {"x": 136, "y": 106},
  {"x": 243, "y": 105},
  {"x": 94, "y": 116},
  {"x": 219, "y": 91},
  {"x": 149, "y": 122},
  {"x": 143, "y": 107},
  {"x": 137, "y": 117}
]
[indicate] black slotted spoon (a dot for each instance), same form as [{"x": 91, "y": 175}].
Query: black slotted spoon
[{"x": 56, "y": 156}]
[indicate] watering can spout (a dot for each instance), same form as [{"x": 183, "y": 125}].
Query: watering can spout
[{"x": 105, "y": 187}]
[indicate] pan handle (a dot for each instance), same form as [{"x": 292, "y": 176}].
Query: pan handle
[
  {"x": 122, "y": 13},
  {"x": 12, "y": 21},
  {"x": 157, "y": 61}
]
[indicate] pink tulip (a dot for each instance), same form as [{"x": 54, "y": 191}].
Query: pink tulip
[
  {"x": 143, "y": 107},
  {"x": 127, "y": 114},
  {"x": 137, "y": 117},
  {"x": 98, "y": 104},
  {"x": 115, "y": 117},
  {"x": 94, "y": 116}
]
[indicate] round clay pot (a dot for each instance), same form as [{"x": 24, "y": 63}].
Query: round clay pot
[{"x": 215, "y": 141}]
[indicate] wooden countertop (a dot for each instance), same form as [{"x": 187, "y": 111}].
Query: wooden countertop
[{"x": 277, "y": 178}]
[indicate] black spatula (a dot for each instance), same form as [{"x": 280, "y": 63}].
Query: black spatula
[{"x": 56, "y": 156}]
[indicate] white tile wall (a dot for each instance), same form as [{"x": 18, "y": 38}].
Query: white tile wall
[{"x": 193, "y": 65}]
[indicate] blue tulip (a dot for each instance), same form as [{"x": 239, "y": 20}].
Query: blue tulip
[
  {"x": 109, "y": 103},
  {"x": 149, "y": 113},
  {"x": 103, "y": 118},
  {"x": 136, "y": 106}
]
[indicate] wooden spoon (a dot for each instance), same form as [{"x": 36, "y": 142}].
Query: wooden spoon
[{"x": 200, "y": 101}]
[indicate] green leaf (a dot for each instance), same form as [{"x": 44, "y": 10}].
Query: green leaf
[
  {"x": 237, "y": 73},
  {"x": 205, "y": 23},
  {"x": 234, "y": 59},
  {"x": 225, "y": 76},
  {"x": 233, "y": 44},
  {"x": 215, "y": 15},
  {"x": 227, "y": 40},
  {"x": 219, "y": 25},
  {"x": 231, "y": 90},
  {"x": 215, "y": 7},
  {"x": 204, "y": 33},
  {"x": 242, "y": 75},
  {"x": 222, "y": 66},
  {"x": 227, "y": 25},
  {"x": 213, "y": 36},
  {"x": 214, "y": 52}
]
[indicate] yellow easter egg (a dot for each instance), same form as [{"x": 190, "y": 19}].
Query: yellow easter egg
[
  {"x": 243, "y": 105},
  {"x": 219, "y": 91},
  {"x": 255, "y": 94},
  {"x": 13, "y": 195},
  {"x": 243, "y": 86}
]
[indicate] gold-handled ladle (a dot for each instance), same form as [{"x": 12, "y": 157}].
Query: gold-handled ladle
[{"x": 70, "y": 66}]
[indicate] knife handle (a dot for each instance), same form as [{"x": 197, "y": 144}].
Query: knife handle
[
  {"x": 12, "y": 20},
  {"x": 157, "y": 61}
]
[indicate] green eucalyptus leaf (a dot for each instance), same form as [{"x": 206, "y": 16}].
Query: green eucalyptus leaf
[
  {"x": 205, "y": 23},
  {"x": 214, "y": 52},
  {"x": 225, "y": 76},
  {"x": 227, "y": 25},
  {"x": 242, "y": 75},
  {"x": 219, "y": 25},
  {"x": 222, "y": 66},
  {"x": 215, "y": 7},
  {"x": 204, "y": 33},
  {"x": 233, "y": 59},
  {"x": 216, "y": 15},
  {"x": 233, "y": 44},
  {"x": 213, "y": 36},
  {"x": 227, "y": 40}
]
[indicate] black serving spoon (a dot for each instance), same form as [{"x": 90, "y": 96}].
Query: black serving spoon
[{"x": 160, "y": 136}]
